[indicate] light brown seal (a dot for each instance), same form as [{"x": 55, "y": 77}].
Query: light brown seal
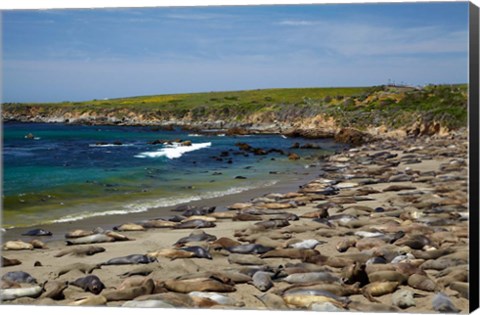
[
  {"x": 199, "y": 284},
  {"x": 17, "y": 245}
]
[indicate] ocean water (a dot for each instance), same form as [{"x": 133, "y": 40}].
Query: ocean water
[{"x": 70, "y": 172}]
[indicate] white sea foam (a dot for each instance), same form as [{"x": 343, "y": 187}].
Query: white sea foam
[
  {"x": 163, "y": 202},
  {"x": 110, "y": 145},
  {"x": 174, "y": 151},
  {"x": 194, "y": 135}
]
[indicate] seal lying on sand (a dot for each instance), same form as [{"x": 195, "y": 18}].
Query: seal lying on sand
[
  {"x": 19, "y": 277},
  {"x": 89, "y": 283},
  {"x": 91, "y": 239},
  {"x": 80, "y": 251},
  {"x": 130, "y": 259},
  {"x": 6, "y": 262},
  {"x": 196, "y": 236},
  {"x": 12, "y": 294},
  {"x": 199, "y": 284},
  {"x": 17, "y": 245}
]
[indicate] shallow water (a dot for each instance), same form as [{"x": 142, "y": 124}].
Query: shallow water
[{"x": 73, "y": 172}]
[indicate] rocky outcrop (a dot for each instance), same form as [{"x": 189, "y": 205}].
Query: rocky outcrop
[{"x": 353, "y": 136}]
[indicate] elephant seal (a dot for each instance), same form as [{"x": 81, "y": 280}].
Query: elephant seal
[
  {"x": 442, "y": 303},
  {"x": 54, "y": 290},
  {"x": 262, "y": 280},
  {"x": 460, "y": 287},
  {"x": 18, "y": 277},
  {"x": 37, "y": 232},
  {"x": 199, "y": 252},
  {"x": 89, "y": 283},
  {"x": 194, "y": 224},
  {"x": 38, "y": 244},
  {"x": 378, "y": 289},
  {"x": 130, "y": 293},
  {"x": 195, "y": 236},
  {"x": 311, "y": 277},
  {"x": 129, "y": 227},
  {"x": 78, "y": 233},
  {"x": 421, "y": 282},
  {"x": 81, "y": 251},
  {"x": 90, "y": 301},
  {"x": 224, "y": 242},
  {"x": 6, "y": 262},
  {"x": 91, "y": 239},
  {"x": 387, "y": 276},
  {"x": 245, "y": 259},
  {"x": 221, "y": 299},
  {"x": 144, "y": 270},
  {"x": 17, "y": 245},
  {"x": 148, "y": 304},
  {"x": 304, "y": 244},
  {"x": 249, "y": 249},
  {"x": 82, "y": 267},
  {"x": 403, "y": 299},
  {"x": 157, "y": 224},
  {"x": 172, "y": 253},
  {"x": 199, "y": 284},
  {"x": 305, "y": 297},
  {"x": 12, "y": 294},
  {"x": 292, "y": 253},
  {"x": 272, "y": 301},
  {"x": 129, "y": 260}
]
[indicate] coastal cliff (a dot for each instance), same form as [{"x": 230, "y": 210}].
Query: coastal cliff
[{"x": 311, "y": 112}]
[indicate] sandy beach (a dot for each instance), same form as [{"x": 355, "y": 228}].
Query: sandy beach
[{"x": 384, "y": 218}]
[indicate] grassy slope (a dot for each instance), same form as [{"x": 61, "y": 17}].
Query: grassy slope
[{"x": 354, "y": 106}]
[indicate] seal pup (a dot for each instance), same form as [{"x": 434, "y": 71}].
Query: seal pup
[
  {"x": 442, "y": 303},
  {"x": 80, "y": 251},
  {"x": 245, "y": 259},
  {"x": 82, "y": 267},
  {"x": 89, "y": 283},
  {"x": 130, "y": 293},
  {"x": 303, "y": 244},
  {"x": 194, "y": 224},
  {"x": 262, "y": 280},
  {"x": 460, "y": 287},
  {"x": 196, "y": 236},
  {"x": 292, "y": 253},
  {"x": 143, "y": 270},
  {"x": 128, "y": 227},
  {"x": 78, "y": 233},
  {"x": 249, "y": 249},
  {"x": 91, "y": 239},
  {"x": 18, "y": 277},
  {"x": 199, "y": 252},
  {"x": 422, "y": 282},
  {"x": 305, "y": 297},
  {"x": 37, "y": 232},
  {"x": 130, "y": 260},
  {"x": 378, "y": 289},
  {"x": 308, "y": 277},
  {"x": 90, "y": 301},
  {"x": 6, "y": 262},
  {"x": 403, "y": 298},
  {"x": 199, "y": 284},
  {"x": 54, "y": 289},
  {"x": 12, "y": 294},
  {"x": 272, "y": 301},
  {"x": 17, "y": 245}
]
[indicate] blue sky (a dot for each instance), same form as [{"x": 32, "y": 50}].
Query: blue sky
[{"x": 57, "y": 55}]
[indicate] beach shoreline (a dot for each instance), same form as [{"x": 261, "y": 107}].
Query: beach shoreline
[{"x": 426, "y": 171}]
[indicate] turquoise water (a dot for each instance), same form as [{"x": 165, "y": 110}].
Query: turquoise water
[{"x": 70, "y": 172}]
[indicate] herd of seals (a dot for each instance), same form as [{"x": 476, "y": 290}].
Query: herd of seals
[{"x": 384, "y": 228}]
